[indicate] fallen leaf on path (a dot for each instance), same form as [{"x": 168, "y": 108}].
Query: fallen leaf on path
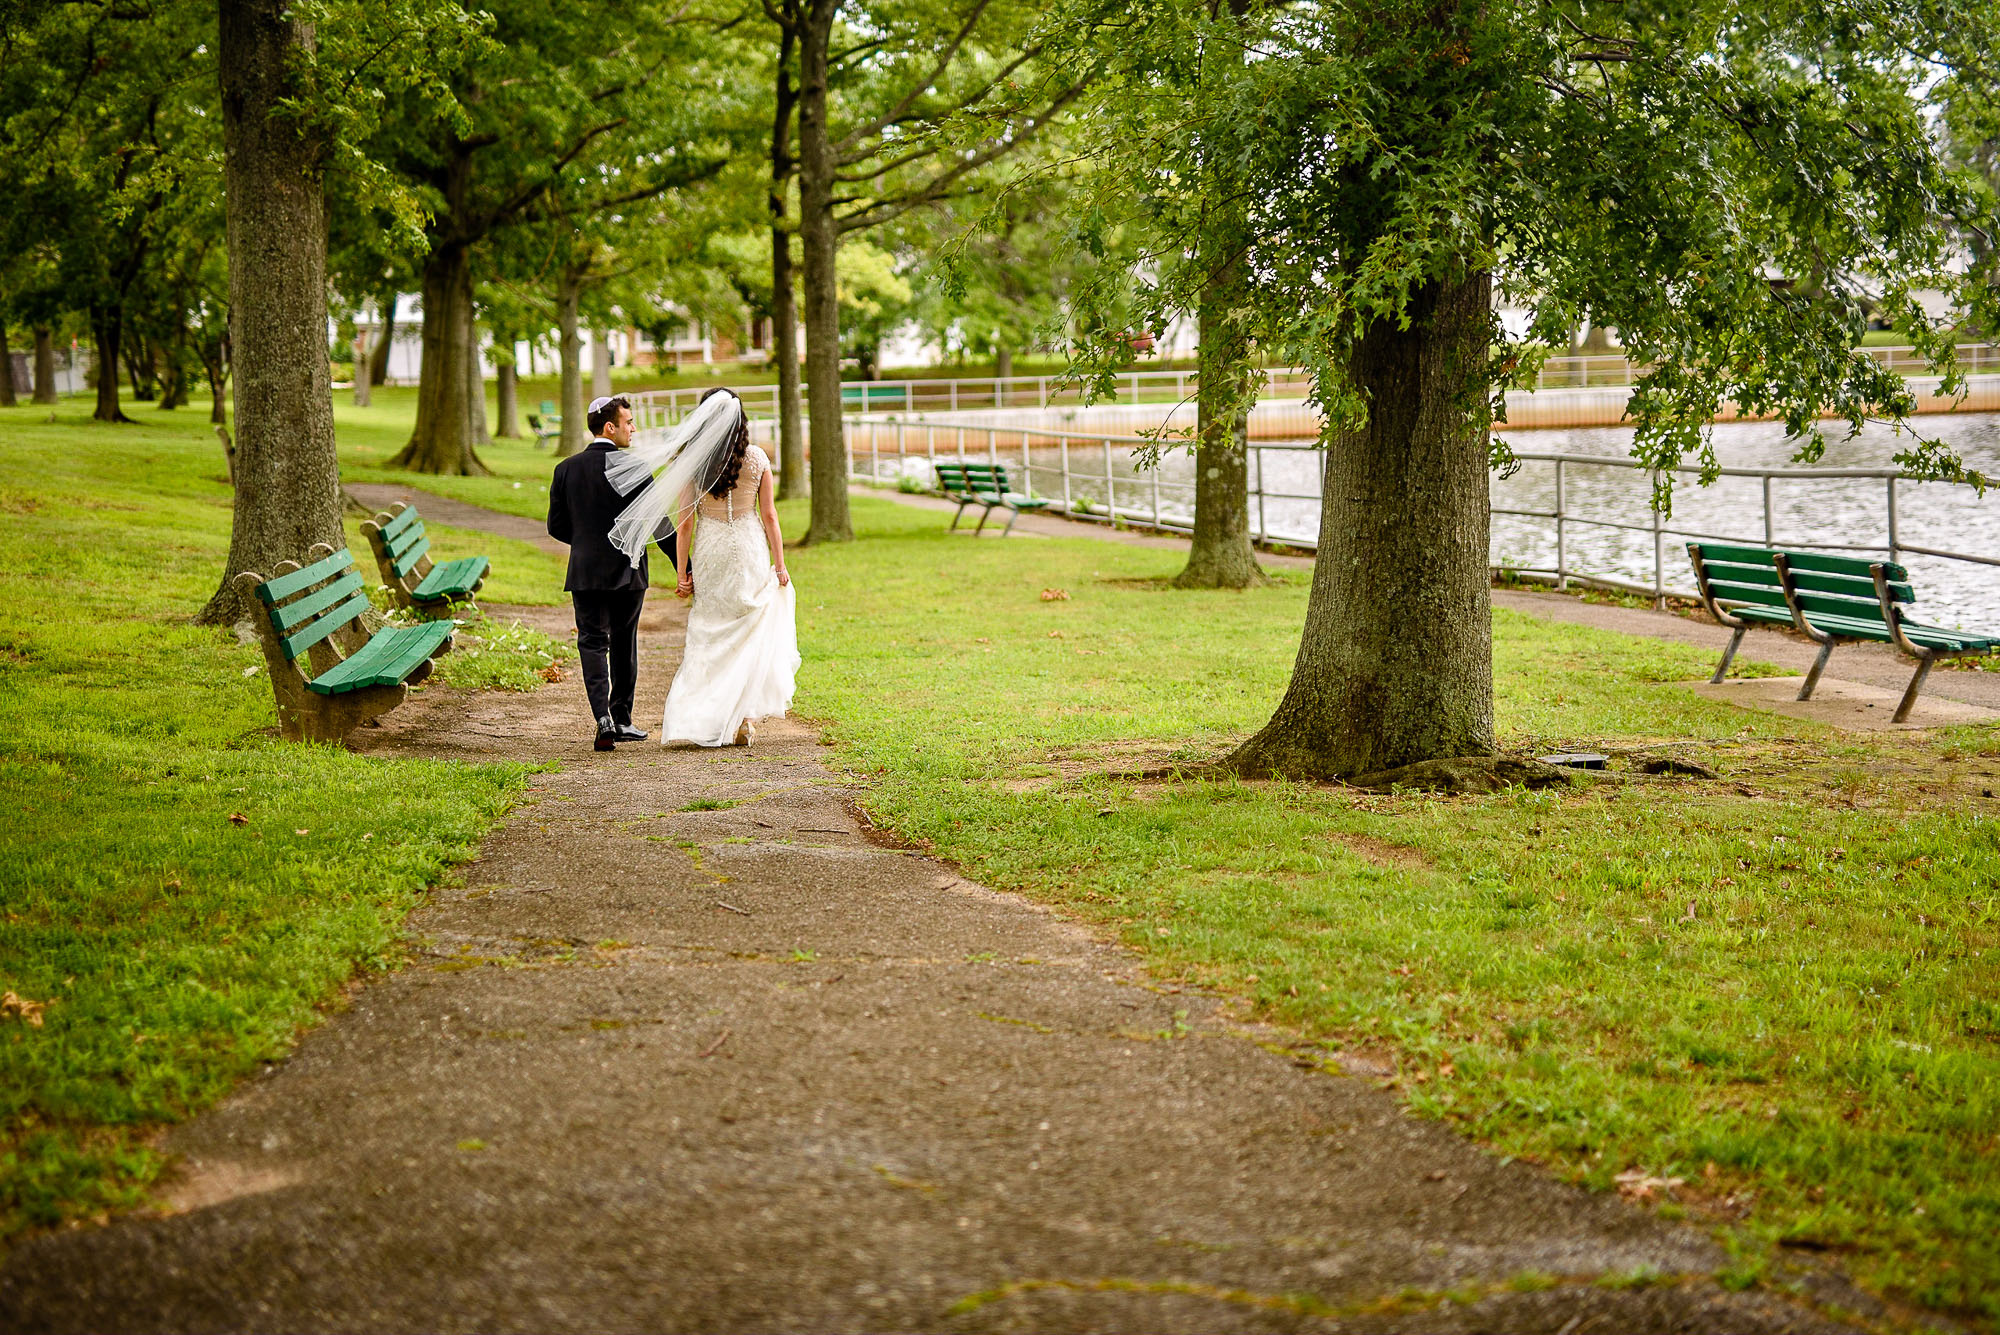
[
  {"x": 238, "y": 818},
  {"x": 716, "y": 1046},
  {"x": 1638, "y": 1185}
]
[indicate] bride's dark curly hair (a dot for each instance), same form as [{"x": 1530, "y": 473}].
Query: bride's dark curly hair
[{"x": 730, "y": 466}]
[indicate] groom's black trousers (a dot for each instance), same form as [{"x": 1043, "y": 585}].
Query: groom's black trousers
[{"x": 607, "y": 640}]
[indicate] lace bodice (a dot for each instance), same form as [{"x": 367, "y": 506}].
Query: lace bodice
[{"x": 741, "y": 499}]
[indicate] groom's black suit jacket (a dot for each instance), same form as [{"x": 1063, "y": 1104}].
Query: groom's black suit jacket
[{"x": 582, "y": 506}]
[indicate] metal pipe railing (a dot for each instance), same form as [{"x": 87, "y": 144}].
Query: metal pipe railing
[{"x": 1075, "y": 485}]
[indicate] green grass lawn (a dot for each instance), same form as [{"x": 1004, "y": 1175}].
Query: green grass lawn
[
  {"x": 167, "y": 947},
  {"x": 1780, "y": 988}
]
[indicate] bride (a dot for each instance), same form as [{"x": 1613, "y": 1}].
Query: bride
[{"x": 742, "y": 654}]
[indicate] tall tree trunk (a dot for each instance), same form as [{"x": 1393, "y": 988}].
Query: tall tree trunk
[
  {"x": 45, "y": 367},
  {"x": 510, "y": 412},
  {"x": 140, "y": 367},
  {"x": 819, "y": 236},
  {"x": 569, "y": 340},
  {"x": 7, "y": 399},
  {"x": 1396, "y": 662},
  {"x": 475, "y": 383},
  {"x": 784, "y": 302},
  {"x": 287, "y": 477},
  {"x": 442, "y": 441},
  {"x": 215, "y": 367},
  {"x": 378, "y": 366},
  {"x": 107, "y": 327},
  {"x": 174, "y": 380},
  {"x": 600, "y": 364},
  {"x": 1003, "y": 360},
  {"x": 364, "y": 374},
  {"x": 1221, "y": 555}
]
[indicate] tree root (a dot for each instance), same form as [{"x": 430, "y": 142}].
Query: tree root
[{"x": 1464, "y": 774}]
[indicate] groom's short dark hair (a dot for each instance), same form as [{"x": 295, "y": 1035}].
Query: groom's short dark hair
[{"x": 606, "y": 415}]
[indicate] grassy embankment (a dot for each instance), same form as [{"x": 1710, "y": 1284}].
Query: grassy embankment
[
  {"x": 1780, "y": 987},
  {"x": 165, "y": 948}
]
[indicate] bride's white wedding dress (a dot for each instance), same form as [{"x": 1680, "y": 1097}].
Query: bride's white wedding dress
[{"x": 742, "y": 655}]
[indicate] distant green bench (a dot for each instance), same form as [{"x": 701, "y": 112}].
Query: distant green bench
[
  {"x": 547, "y": 424},
  {"x": 1830, "y": 599},
  {"x": 982, "y": 484},
  {"x": 348, "y": 676},
  {"x": 402, "y": 554},
  {"x": 863, "y": 395}
]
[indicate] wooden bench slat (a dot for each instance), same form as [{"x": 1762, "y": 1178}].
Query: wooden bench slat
[
  {"x": 402, "y": 520},
  {"x": 389, "y": 656},
  {"x": 275, "y": 591},
  {"x": 405, "y": 563},
  {"x": 1848, "y": 587},
  {"x": 1854, "y": 567},
  {"x": 300, "y": 610},
  {"x": 296, "y": 644},
  {"x": 453, "y": 578},
  {"x": 1817, "y": 605},
  {"x": 411, "y": 535},
  {"x": 1749, "y": 593}
]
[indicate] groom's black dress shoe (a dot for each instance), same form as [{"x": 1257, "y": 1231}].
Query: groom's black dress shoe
[
  {"x": 607, "y": 734},
  {"x": 628, "y": 733}
]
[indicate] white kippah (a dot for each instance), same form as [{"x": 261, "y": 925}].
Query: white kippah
[{"x": 595, "y": 404}]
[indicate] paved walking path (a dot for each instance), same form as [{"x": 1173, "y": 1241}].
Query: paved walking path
[{"x": 744, "y": 1067}]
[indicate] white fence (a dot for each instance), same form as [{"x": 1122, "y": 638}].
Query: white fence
[{"x": 1093, "y": 477}]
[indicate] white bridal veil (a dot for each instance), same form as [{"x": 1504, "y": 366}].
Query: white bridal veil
[{"x": 674, "y": 468}]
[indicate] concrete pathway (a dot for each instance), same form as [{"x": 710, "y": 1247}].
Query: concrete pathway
[{"x": 690, "y": 1050}]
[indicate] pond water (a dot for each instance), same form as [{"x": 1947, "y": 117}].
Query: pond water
[{"x": 1851, "y": 511}]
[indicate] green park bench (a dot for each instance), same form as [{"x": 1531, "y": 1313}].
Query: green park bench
[
  {"x": 1830, "y": 599},
  {"x": 402, "y": 554},
  {"x": 859, "y": 396},
  {"x": 546, "y": 424},
  {"x": 982, "y": 484},
  {"x": 347, "y": 675}
]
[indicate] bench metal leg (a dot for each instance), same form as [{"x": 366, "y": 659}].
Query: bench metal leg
[
  {"x": 982, "y": 522},
  {"x": 1728, "y": 656},
  {"x": 958, "y": 516},
  {"x": 1012, "y": 515},
  {"x": 1819, "y": 666},
  {"x": 1910, "y": 692}
]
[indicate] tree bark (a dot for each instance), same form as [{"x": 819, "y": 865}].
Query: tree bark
[
  {"x": 1221, "y": 555},
  {"x": 364, "y": 373},
  {"x": 1396, "y": 662},
  {"x": 600, "y": 364},
  {"x": 442, "y": 441},
  {"x": 475, "y": 383},
  {"x": 819, "y": 235},
  {"x": 45, "y": 366},
  {"x": 139, "y": 365},
  {"x": 569, "y": 340},
  {"x": 784, "y": 303},
  {"x": 287, "y": 476},
  {"x": 378, "y": 366},
  {"x": 107, "y": 327},
  {"x": 1003, "y": 360},
  {"x": 510, "y": 412},
  {"x": 7, "y": 399}
]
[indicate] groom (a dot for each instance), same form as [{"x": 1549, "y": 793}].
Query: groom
[{"x": 608, "y": 591}]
